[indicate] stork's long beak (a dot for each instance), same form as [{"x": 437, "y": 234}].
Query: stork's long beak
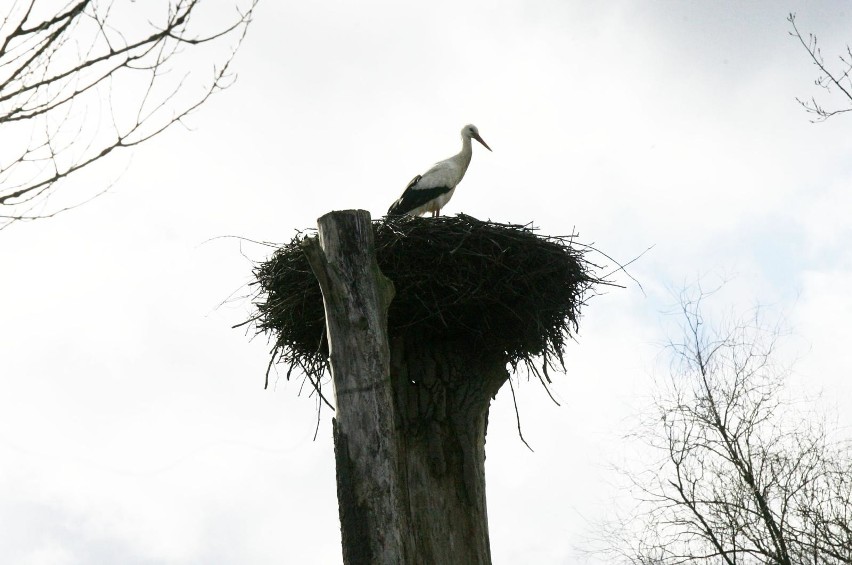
[{"x": 480, "y": 140}]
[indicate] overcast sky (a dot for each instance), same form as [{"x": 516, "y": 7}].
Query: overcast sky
[{"x": 134, "y": 427}]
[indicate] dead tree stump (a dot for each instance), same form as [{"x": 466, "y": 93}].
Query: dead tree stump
[
  {"x": 414, "y": 372},
  {"x": 356, "y": 297},
  {"x": 442, "y": 402}
]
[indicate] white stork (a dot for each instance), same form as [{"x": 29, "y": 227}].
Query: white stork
[{"x": 430, "y": 191}]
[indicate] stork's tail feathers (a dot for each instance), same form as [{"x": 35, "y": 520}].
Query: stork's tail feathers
[{"x": 395, "y": 210}]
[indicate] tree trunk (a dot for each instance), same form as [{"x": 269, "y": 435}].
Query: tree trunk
[
  {"x": 410, "y": 422},
  {"x": 443, "y": 396},
  {"x": 356, "y": 296}
]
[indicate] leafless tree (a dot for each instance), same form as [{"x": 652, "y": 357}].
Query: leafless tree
[
  {"x": 80, "y": 79},
  {"x": 742, "y": 475},
  {"x": 833, "y": 80}
]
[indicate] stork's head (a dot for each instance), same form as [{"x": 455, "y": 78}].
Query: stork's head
[{"x": 471, "y": 131}]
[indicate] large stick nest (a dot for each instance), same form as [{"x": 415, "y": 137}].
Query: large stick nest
[{"x": 490, "y": 288}]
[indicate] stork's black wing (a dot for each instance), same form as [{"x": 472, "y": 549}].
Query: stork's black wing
[{"x": 415, "y": 196}]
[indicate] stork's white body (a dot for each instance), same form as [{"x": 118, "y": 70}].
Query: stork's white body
[
  {"x": 446, "y": 173},
  {"x": 431, "y": 191}
]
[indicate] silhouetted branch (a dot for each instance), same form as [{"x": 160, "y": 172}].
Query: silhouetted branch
[
  {"x": 826, "y": 79},
  {"x": 741, "y": 476},
  {"x": 93, "y": 77}
]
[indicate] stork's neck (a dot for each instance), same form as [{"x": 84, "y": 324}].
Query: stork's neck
[{"x": 466, "y": 153}]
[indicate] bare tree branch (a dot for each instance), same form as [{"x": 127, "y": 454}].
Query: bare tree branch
[
  {"x": 81, "y": 80},
  {"x": 827, "y": 78},
  {"x": 742, "y": 476}
]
